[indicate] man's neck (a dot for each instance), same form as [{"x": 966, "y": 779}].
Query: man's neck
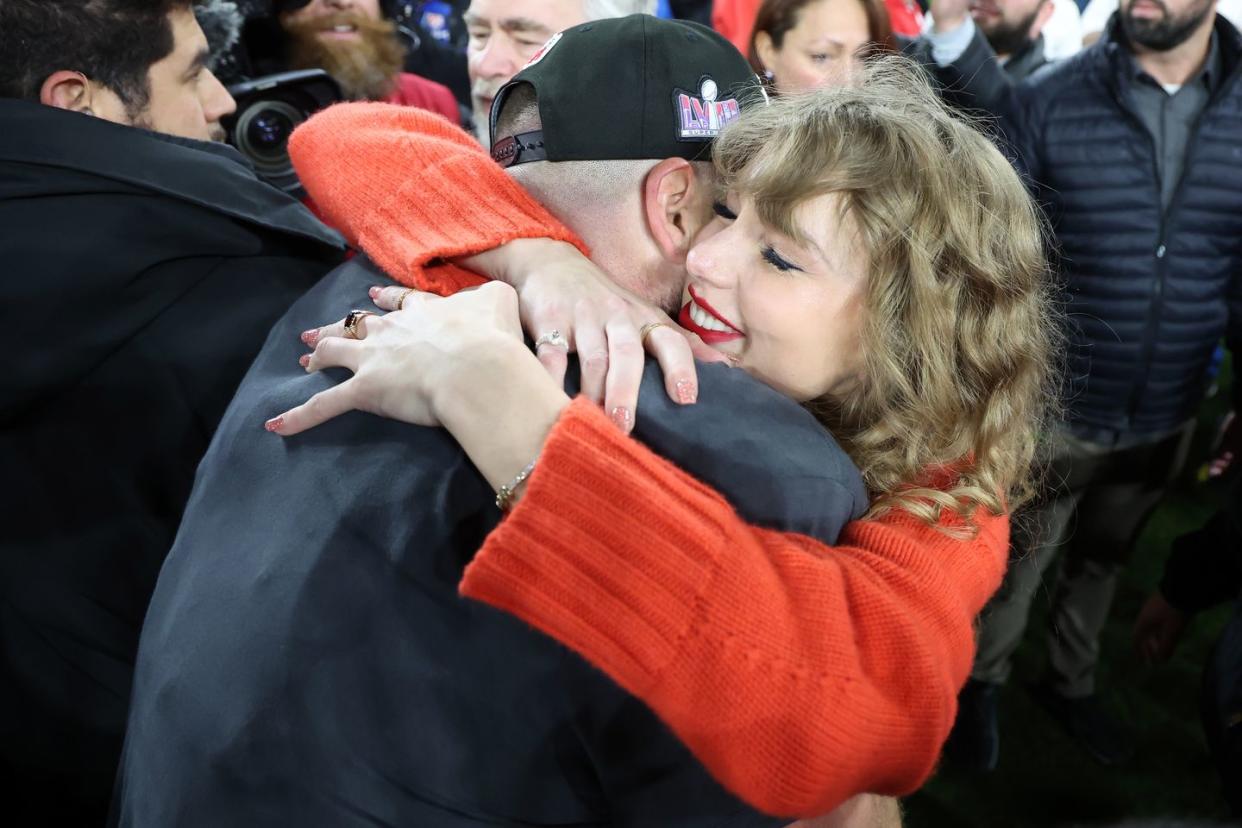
[{"x": 1178, "y": 65}]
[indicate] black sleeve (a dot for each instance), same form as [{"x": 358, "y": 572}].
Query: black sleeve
[{"x": 1205, "y": 567}]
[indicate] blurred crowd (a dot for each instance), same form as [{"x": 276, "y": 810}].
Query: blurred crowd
[{"x": 153, "y": 247}]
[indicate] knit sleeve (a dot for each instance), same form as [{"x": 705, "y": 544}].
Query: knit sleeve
[
  {"x": 409, "y": 189},
  {"x": 799, "y": 674}
]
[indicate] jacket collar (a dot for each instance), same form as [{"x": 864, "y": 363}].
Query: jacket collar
[
  {"x": 208, "y": 175},
  {"x": 1114, "y": 45},
  {"x": 1027, "y": 59}
]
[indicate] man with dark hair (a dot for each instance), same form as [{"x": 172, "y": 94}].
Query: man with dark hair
[
  {"x": 129, "y": 61},
  {"x": 1014, "y": 30},
  {"x": 142, "y": 272}
]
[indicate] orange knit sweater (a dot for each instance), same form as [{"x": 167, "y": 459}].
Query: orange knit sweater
[{"x": 800, "y": 674}]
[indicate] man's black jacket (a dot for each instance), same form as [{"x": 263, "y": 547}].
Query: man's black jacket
[
  {"x": 307, "y": 659},
  {"x": 141, "y": 274},
  {"x": 1149, "y": 292}
]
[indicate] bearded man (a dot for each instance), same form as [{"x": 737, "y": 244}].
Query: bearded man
[
  {"x": 1014, "y": 30},
  {"x": 1132, "y": 147},
  {"x": 355, "y": 43}
]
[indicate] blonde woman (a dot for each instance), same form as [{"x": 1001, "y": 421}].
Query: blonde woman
[{"x": 875, "y": 259}]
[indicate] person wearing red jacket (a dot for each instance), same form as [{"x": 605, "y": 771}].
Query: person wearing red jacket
[{"x": 757, "y": 626}]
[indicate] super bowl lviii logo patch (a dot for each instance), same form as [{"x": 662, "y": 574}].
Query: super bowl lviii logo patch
[{"x": 702, "y": 116}]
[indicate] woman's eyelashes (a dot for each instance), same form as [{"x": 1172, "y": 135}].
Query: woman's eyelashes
[
  {"x": 721, "y": 209},
  {"x": 777, "y": 261}
]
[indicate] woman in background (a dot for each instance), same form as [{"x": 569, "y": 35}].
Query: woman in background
[{"x": 799, "y": 45}]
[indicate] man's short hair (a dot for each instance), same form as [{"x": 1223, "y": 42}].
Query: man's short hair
[
  {"x": 604, "y": 9},
  {"x": 111, "y": 42}
]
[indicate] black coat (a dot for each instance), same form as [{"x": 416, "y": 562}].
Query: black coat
[
  {"x": 1149, "y": 293},
  {"x": 141, "y": 275}
]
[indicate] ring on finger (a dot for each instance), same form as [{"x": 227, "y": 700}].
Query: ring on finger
[
  {"x": 404, "y": 296},
  {"x": 352, "y": 319},
  {"x": 645, "y": 330},
  {"x": 553, "y": 338}
]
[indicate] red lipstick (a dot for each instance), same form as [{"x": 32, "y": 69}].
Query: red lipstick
[{"x": 708, "y": 336}]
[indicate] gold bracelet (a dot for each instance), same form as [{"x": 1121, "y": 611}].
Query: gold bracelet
[{"x": 504, "y": 497}]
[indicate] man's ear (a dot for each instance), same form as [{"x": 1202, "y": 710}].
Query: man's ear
[
  {"x": 1042, "y": 18},
  {"x": 673, "y": 202},
  {"x": 67, "y": 90}
]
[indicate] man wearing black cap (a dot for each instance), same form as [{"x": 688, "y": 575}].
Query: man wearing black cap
[{"x": 307, "y": 660}]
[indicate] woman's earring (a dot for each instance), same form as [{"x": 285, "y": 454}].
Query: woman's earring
[{"x": 768, "y": 76}]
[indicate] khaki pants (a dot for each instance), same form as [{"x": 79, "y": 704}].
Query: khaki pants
[{"x": 1098, "y": 497}]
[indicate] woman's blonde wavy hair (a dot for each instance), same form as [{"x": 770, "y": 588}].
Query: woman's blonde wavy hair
[{"x": 958, "y": 340}]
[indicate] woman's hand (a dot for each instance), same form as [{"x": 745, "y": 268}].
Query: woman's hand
[
  {"x": 412, "y": 365},
  {"x": 561, "y": 291}
]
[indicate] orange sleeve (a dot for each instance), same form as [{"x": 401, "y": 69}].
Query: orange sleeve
[
  {"x": 799, "y": 674},
  {"x": 410, "y": 189}
]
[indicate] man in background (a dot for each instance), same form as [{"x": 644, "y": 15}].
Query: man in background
[
  {"x": 129, "y": 236},
  {"x": 358, "y": 45},
  {"x": 1014, "y": 30},
  {"x": 506, "y": 34}
]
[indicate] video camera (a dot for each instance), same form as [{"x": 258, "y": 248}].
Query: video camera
[
  {"x": 268, "y": 110},
  {"x": 248, "y": 56},
  {"x": 248, "y": 47}
]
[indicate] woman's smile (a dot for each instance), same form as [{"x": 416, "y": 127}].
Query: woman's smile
[{"x": 700, "y": 318}]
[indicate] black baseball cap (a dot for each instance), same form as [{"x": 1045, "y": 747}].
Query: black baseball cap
[{"x": 635, "y": 87}]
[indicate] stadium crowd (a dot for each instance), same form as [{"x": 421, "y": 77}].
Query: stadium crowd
[{"x": 603, "y": 412}]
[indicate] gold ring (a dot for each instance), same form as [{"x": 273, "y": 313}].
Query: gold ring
[
  {"x": 645, "y": 330},
  {"x": 404, "y": 296},
  {"x": 351, "y": 322}
]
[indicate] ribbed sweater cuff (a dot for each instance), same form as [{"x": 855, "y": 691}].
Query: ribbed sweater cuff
[
  {"x": 558, "y": 563},
  {"x": 447, "y": 229}
]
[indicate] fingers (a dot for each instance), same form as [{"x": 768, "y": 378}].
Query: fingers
[
  {"x": 592, "y": 347},
  {"x": 396, "y": 297},
  {"x": 324, "y": 406},
  {"x": 340, "y": 329},
  {"x": 672, "y": 351},
  {"x": 625, "y": 369},
  {"x": 555, "y": 360},
  {"x": 334, "y": 352}
]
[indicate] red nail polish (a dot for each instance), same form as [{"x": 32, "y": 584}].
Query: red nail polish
[
  {"x": 304, "y": 360},
  {"x": 310, "y": 337},
  {"x": 274, "y": 424}
]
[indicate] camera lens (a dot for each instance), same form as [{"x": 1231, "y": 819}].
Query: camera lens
[
  {"x": 269, "y": 130},
  {"x": 262, "y": 134}
]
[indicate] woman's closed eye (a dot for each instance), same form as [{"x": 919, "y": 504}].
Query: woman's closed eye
[
  {"x": 777, "y": 261},
  {"x": 721, "y": 209}
]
